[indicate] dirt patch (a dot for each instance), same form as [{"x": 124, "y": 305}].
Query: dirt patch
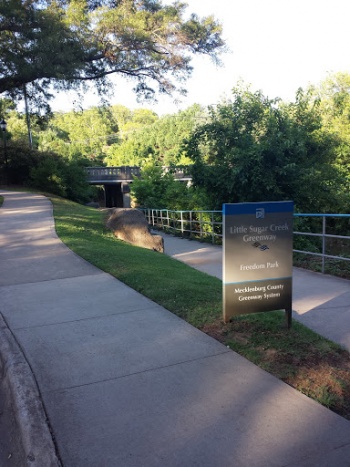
[{"x": 318, "y": 369}]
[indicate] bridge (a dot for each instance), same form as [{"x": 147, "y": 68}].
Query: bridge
[{"x": 116, "y": 181}]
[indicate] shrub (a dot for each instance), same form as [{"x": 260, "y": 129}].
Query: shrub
[{"x": 45, "y": 171}]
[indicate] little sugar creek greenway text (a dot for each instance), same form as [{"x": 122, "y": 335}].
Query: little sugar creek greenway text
[{"x": 260, "y": 232}]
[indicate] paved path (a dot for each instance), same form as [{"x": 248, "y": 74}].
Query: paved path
[
  {"x": 126, "y": 383},
  {"x": 321, "y": 302}
]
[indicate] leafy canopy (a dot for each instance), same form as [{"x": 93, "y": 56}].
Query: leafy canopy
[
  {"x": 62, "y": 44},
  {"x": 160, "y": 141},
  {"x": 257, "y": 149}
]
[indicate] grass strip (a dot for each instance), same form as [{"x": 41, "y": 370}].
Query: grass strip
[
  {"x": 310, "y": 363},
  {"x": 192, "y": 295}
]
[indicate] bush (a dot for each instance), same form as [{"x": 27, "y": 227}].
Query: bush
[
  {"x": 48, "y": 177},
  {"x": 46, "y": 171},
  {"x": 158, "y": 190}
]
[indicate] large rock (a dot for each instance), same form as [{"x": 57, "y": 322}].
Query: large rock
[{"x": 131, "y": 226}]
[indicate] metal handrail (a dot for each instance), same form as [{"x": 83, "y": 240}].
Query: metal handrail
[
  {"x": 202, "y": 224},
  {"x": 323, "y": 235},
  {"x": 206, "y": 225}
]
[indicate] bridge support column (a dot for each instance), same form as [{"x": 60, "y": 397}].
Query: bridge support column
[{"x": 126, "y": 195}]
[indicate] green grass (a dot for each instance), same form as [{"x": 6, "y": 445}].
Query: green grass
[
  {"x": 189, "y": 293},
  {"x": 1, "y": 200},
  {"x": 308, "y": 362}
]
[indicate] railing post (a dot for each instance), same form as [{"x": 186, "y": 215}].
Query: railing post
[
  {"x": 212, "y": 227},
  {"x": 323, "y": 242},
  {"x": 195, "y": 218}
]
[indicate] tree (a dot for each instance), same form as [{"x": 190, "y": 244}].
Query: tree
[
  {"x": 122, "y": 115},
  {"x": 45, "y": 43},
  {"x": 334, "y": 96},
  {"x": 6, "y": 105},
  {"x": 84, "y": 134},
  {"x": 36, "y": 44},
  {"x": 159, "y": 190},
  {"x": 139, "y": 119},
  {"x": 160, "y": 142},
  {"x": 257, "y": 149}
]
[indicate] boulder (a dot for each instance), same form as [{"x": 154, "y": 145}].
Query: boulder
[{"x": 131, "y": 226}]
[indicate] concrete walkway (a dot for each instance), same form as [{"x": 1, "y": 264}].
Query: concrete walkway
[
  {"x": 321, "y": 302},
  {"x": 126, "y": 383}
]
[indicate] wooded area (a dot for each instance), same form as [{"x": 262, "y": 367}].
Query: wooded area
[{"x": 248, "y": 148}]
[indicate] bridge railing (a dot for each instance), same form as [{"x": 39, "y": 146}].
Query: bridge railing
[
  {"x": 123, "y": 173},
  {"x": 324, "y": 236},
  {"x": 128, "y": 173},
  {"x": 179, "y": 173}
]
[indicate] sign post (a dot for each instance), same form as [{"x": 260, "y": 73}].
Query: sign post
[{"x": 257, "y": 258}]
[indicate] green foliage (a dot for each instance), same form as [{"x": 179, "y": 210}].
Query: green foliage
[
  {"x": 257, "y": 149},
  {"x": 248, "y": 149},
  {"x": 48, "y": 176},
  {"x": 20, "y": 161},
  {"x": 306, "y": 242},
  {"x": 160, "y": 141},
  {"x": 36, "y": 45},
  {"x": 60, "y": 177},
  {"x": 64, "y": 44},
  {"x": 16, "y": 126},
  {"x": 151, "y": 189},
  {"x": 334, "y": 95},
  {"x": 77, "y": 135},
  {"x": 6, "y": 105},
  {"x": 76, "y": 186},
  {"x": 159, "y": 190},
  {"x": 122, "y": 115},
  {"x": 45, "y": 171}
]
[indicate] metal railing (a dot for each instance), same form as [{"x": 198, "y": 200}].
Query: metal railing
[
  {"x": 190, "y": 224},
  {"x": 323, "y": 236},
  {"x": 207, "y": 225}
]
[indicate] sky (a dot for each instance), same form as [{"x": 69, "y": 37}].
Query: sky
[{"x": 276, "y": 46}]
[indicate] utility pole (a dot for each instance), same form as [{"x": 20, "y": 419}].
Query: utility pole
[
  {"x": 3, "y": 126},
  {"x": 30, "y": 139}
]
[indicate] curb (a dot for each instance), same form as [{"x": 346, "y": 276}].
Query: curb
[{"x": 21, "y": 388}]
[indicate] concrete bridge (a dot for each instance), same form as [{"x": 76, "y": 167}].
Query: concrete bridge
[{"x": 116, "y": 181}]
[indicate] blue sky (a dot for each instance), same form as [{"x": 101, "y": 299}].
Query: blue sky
[{"x": 275, "y": 45}]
